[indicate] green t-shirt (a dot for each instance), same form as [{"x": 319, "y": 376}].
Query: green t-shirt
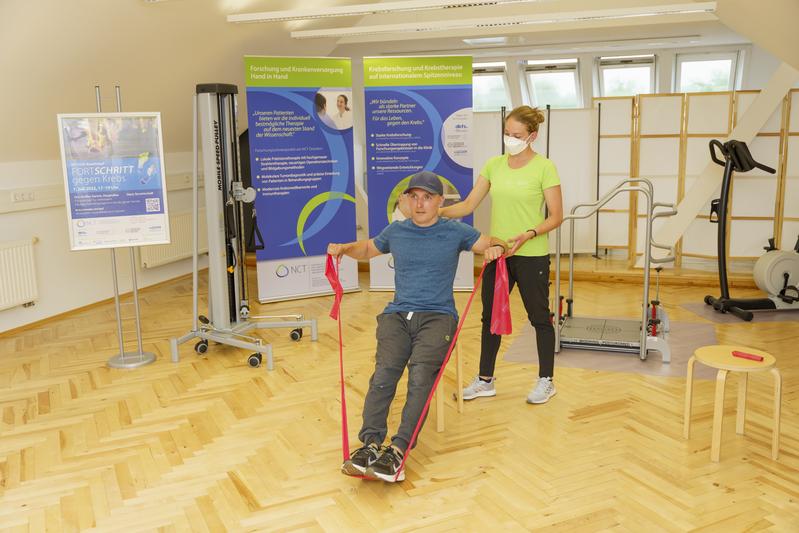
[{"x": 517, "y": 199}]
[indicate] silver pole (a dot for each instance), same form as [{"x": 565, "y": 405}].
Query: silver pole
[
  {"x": 132, "y": 259},
  {"x": 557, "y": 289},
  {"x": 98, "y": 102},
  {"x": 144, "y": 358},
  {"x": 195, "y": 222},
  {"x": 647, "y": 257},
  {"x": 571, "y": 265},
  {"x": 99, "y": 105},
  {"x": 116, "y": 303}
]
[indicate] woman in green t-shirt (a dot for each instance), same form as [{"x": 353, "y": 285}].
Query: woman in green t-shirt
[{"x": 519, "y": 182}]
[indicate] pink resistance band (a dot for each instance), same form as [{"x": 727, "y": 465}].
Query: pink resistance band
[{"x": 331, "y": 272}]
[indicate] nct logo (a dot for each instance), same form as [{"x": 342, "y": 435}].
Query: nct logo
[{"x": 283, "y": 271}]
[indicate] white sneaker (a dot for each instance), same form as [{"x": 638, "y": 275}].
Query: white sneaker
[
  {"x": 544, "y": 390},
  {"x": 479, "y": 388}
]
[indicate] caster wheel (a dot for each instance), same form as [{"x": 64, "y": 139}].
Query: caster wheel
[
  {"x": 203, "y": 319},
  {"x": 709, "y": 300},
  {"x": 254, "y": 360},
  {"x": 201, "y": 347},
  {"x": 296, "y": 334},
  {"x": 244, "y": 311}
]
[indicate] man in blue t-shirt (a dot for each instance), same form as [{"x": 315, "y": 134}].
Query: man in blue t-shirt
[{"x": 416, "y": 328}]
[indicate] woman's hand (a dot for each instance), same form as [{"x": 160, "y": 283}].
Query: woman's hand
[
  {"x": 336, "y": 250},
  {"x": 518, "y": 241},
  {"x": 493, "y": 253}
]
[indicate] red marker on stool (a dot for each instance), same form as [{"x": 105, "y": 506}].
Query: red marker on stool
[{"x": 744, "y": 355}]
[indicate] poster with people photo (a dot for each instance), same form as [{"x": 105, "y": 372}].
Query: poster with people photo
[{"x": 114, "y": 179}]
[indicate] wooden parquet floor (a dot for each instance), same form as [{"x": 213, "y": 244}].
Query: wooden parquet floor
[{"x": 209, "y": 444}]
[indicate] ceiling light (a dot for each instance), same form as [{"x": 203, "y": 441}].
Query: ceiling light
[
  {"x": 367, "y": 9},
  {"x": 499, "y": 22},
  {"x": 486, "y": 40}
]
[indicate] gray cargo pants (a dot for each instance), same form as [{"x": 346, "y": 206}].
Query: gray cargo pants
[{"x": 420, "y": 342}]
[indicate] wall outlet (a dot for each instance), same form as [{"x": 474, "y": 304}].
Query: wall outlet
[{"x": 23, "y": 196}]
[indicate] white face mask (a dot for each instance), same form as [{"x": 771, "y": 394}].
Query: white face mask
[{"x": 515, "y": 146}]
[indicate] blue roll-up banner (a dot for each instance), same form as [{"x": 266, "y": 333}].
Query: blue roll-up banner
[
  {"x": 301, "y": 154},
  {"x": 418, "y": 117}
]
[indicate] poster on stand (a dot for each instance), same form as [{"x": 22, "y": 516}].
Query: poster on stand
[
  {"x": 418, "y": 117},
  {"x": 114, "y": 179},
  {"x": 299, "y": 114}
]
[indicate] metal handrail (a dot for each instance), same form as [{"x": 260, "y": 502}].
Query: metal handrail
[
  {"x": 647, "y": 192},
  {"x": 671, "y": 212}
]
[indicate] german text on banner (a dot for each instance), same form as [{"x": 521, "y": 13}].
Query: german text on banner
[
  {"x": 418, "y": 117},
  {"x": 114, "y": 179},
  {"x": 299, "y": 113}
]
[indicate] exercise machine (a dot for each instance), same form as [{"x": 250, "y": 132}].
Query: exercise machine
[
  {"x": 776, "y": 272},
  {"x": 616, "y": 335},
  {"x": 228, "y": 320}
]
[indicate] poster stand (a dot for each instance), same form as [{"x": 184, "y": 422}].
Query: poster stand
[{"x": 125, "y": 359}]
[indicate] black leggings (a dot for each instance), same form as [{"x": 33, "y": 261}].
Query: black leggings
[{"x": 532, "y": 276}]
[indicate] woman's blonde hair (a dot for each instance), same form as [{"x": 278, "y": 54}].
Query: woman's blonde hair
[{"x": 531, "y": 117}]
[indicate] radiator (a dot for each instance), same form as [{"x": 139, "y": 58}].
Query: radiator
[
  {"x": 181, "y": 246},
  {"x": 17, "y": 274}
]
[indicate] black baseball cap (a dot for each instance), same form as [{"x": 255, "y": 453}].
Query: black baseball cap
[{"x": 427, "y": 181}]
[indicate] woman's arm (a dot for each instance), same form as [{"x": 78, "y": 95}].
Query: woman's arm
[
  {"x": 554, "y": 199},
  {"x": 467, "y": 206}
]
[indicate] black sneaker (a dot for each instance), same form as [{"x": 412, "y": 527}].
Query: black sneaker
[
  {"x": 360, "y": 460},
  {"x": 386, "y": 466}
]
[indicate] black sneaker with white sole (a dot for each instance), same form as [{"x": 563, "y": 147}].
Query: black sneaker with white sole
[
  {"x": 360, "y": 460},
  {"x": 386, "y": 466}
]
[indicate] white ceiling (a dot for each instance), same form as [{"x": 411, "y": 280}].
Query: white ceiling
[{"x": 53, "y": 52}]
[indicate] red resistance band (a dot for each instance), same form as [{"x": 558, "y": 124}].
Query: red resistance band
[
  {"x": 500, "y": 310},
  {"x": 331, "y": 272}
]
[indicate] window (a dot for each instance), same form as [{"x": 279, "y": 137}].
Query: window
[
  {"x": 626, "y": 75},
  {"x": 706, "y": 72},
  {"x": 553, "y": 82},
  {"x": 489, "y": 87}
]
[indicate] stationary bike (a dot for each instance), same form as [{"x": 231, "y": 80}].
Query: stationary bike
[{"x": 776, "y": 272}]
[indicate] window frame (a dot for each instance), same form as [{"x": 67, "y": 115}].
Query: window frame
[
  {"x": 696, "y": 57},
  {"x": 625, "y": 62},
  {"x": 492, "y": 69},
  {"x": 533, "y": 67}
]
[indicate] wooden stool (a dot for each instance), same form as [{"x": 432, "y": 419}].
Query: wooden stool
[{"x": 721, "y": 357}]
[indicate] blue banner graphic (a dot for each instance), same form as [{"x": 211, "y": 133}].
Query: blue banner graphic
[
  {"x": 301, "y": 155},
  {"x": 115, "y": 187},
  {"x": 412, "y": 128}
]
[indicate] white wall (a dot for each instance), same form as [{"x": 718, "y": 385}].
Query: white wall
[
  {"x": 68, "y": 280},
  {"x": 759, "y": 66}
]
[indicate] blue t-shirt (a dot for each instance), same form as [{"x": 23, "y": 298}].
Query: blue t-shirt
[{"x": 425, "y": 261}]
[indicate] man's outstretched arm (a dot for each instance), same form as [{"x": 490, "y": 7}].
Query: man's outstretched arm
[
  {"x": 365, "y": 249},
  {"x": 491, "y": 247}
]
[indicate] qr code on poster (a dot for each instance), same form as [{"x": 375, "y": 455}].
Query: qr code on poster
[{"x": 152, "y": 205}]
